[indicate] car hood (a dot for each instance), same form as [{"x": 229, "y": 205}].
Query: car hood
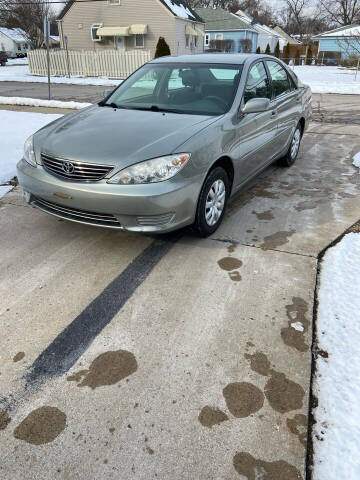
[{"x": 117, "y": 137}]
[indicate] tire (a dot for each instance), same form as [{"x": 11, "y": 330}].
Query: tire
[
  {"x": 292, "y": 153},
  {"x": 3, "y": 64},
  {"x": 208, "y": 219}
]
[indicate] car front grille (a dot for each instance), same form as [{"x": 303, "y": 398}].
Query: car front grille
[
  {"x": 75, "y": 171},
  {"x": 81, "y": 216}
]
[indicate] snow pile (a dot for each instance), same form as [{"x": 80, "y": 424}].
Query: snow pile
[
  {"x": 20, "y": 73},
  {"x": 179, "y": 9},
  {"x": 36, "y": 102},
  {"x": 337, "y": 380},
  {"x": 329, "y": 79},
  {"x": 356, "y": 160},
  {"x": 16, "y": 127}
]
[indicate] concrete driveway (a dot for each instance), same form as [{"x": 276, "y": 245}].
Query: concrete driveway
[{"x": 132, "y": 357}]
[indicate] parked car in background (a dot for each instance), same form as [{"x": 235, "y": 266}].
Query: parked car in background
[
  {"x": 170, "y": 145},
  {"x": 3, "y": 59}
]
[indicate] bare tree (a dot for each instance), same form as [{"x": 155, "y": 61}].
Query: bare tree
[
  {"x": 340, "y": 12},
  {"x": 27, "y": 16},
  {"x": 294, "y": 13}
]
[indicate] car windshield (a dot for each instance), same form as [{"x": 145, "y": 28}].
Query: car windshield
[{"x": 201, "y": 89}]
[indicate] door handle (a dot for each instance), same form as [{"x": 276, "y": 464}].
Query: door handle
[
  {"x": 274, "y": 113},
  {"x": 298, "y": 99}
]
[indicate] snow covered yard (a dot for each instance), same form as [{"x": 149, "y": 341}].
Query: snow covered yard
[
  {"x": 16, "y": 127},
  {"x": 329, "y": 79},
  {"x": 337, "y": 380},
  {"x": 20, "y": 73}
]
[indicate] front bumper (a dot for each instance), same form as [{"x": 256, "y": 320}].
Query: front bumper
[{"x": 158, "y": 207}]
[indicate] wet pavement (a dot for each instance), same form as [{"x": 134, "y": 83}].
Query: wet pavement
[{"x": 127, "y": 356}]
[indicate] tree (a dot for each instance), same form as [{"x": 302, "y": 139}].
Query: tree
[
  {"x": 286, "y": 53},
  {"x": 295, "y": 12},
  {"x": 267, "y": 50},
  {"x": 297, "y": 57},
  {"x": 162, "y": 48},
  {"x": 29, "y": 16},
  {"x": 340, "y": 12},
  {"x": 258, "y": 50},
  {"x": 277, "y": 50},
  {"x": 309, "y": 55}
]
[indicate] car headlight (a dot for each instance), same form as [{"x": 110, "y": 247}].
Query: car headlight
[
  {"x": 29, "y": 154},
  {"x": 151, "y": 171}
]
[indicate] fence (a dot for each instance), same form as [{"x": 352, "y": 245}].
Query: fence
[{"x": 106, "y": 63}]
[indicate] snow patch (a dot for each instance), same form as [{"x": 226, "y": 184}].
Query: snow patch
[
  {"x": 179, "y": 9},
  {"x": 298, "y": 326},
  {"x": 337, "y": 380},
  {"x": 329, "y": 79},
  {"x": 356, "y": 160},
  {"x": 16, "y": 127},
  {"x": 36, "y": 102}
]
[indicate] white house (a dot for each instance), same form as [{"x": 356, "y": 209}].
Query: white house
[
  {"x": 13, "y": 41},
  {"x": 266, "y": 35}
]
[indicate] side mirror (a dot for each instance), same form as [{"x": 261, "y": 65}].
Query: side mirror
[
  {"x": 107, "y": 93},
  {"x": 256, "y": 105}
]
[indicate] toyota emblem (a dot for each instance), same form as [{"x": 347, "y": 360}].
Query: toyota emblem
[{"x": 68, "y": 167}]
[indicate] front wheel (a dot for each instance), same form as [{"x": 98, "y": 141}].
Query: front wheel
[
  {"x": 293, "y": 151},
  {"x": 212, "y": 202}
]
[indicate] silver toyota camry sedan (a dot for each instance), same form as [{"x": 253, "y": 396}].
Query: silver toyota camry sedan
[{"x": 170, "y": 145}]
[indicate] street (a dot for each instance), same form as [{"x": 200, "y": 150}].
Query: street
[{"x": 170, "y": 357}]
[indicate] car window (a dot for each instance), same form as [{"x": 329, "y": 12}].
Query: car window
[
  {"x": 279, "y": 77},
  {"x": 257, "y": 85},
  {"x": 205, "y": 89}
]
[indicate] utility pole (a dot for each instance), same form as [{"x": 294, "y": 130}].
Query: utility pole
[
  {"x": 46, "y": 36},
  {"x": 67, "y": 55}
]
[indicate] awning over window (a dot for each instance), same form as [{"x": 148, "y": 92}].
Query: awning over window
[
  {"x": 190, "y": 30},
  {"x": 199, "y": 32},
  {"x": 113, "y": 32},
  {"x": 138, "y": 29}
]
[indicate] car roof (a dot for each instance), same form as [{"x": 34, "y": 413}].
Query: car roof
[{"x": 226, "y": 58}]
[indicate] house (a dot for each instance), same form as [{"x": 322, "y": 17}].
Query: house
[
  {"x": 13, "y": 41},
  {"x": 290, "y": 40},
  {"x": 266, "y": 35},
  {"x": 338, "y": 44},
  {"x": 126, "y": 25},
  {"x": 225, "y": 31}
]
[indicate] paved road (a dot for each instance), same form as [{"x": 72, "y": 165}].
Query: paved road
[{"x": 130, "y": 357}]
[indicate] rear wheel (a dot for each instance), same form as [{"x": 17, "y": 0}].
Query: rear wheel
[
  {"x": 212, "y": 202},
  {"x": 3, "y": 64},
  {"x": 292, "y": 153}
]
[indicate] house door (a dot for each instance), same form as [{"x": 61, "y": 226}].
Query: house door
[{"x": 119, "y": 43}]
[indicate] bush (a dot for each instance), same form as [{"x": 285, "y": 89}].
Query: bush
[
  {"x": 350, "y": 61},
  {"x": 258, "y": 50},
  {"x": 267, "y": 50},
  {"x": 297, "y": 57},
  {"x": 309, "y": 56},
  {"x": 277, "y": 50},
  {"x": 286, "y": 53},
  {"x": 162, "y": 48}
]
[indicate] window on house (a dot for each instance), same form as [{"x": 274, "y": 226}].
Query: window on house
[
  {"x": 94, "y": 28},
  {"x": 139, "y": 40},
  {"x": 195, "y": 41},
  {"x": 207, "y": 39},
  {"x": 219, "y": 36},
  {"x": 114, "y": 2},
  {"x": 187, "y": 40}
]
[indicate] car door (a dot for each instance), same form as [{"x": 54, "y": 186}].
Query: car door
[
  {"x": 287, "y": 102},
  {"x": 255, "y": 133}
]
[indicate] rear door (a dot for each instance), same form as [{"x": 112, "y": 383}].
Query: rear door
[
  {"x": 286, "y": 101},
  {"x": 255, "y": 132}
]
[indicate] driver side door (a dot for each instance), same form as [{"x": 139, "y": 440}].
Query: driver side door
[{"x": 255, "y": 133}]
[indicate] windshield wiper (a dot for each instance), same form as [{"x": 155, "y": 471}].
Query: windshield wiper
[
  {"x": 112, "y": 105},
  {"x": 154, "y": 108}
]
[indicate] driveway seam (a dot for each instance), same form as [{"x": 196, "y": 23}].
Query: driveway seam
[{"x": 236, "y": 242}]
